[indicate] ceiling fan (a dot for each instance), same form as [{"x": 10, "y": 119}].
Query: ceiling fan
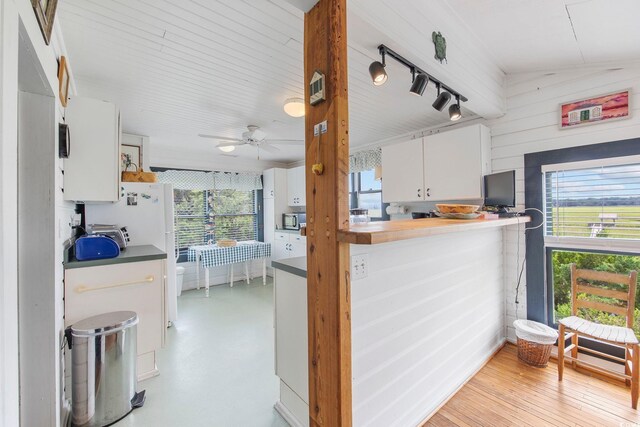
[{"x": 255, "y": 138}]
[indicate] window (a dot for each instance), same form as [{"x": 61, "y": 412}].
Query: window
[
  {"x": 210, "y": 215},
  {"x": 592, "y": 219},
  {"x": 586, "y": 200},
  {"x": 366, "y": 193}
]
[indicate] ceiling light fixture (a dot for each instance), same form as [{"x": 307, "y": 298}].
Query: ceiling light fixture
[
  {"x": 442, "y": 99},
  {"x": 294, "y": 107},
  {"x": 420, "y": 79},
  {"x": 419, "y": 84},
  {"x": 454, "y": 110},
  {"x": 377, "y": 71},
  {"x": 227, "y": 148}
]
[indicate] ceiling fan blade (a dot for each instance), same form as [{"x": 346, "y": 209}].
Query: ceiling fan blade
[
  {"x": 221, "y": 138},
  {"x": 230, "y": 143},
  {"x": 269, "y": 148},
  {"x": 286, "y": 141}
]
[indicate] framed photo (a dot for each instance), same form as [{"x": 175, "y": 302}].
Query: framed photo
[
  {"x": 63, "y": 81},
  {"x": 130, "y": 158},
  {"x": 45, "y": 13},
  {"x": 598, "y": 109}
]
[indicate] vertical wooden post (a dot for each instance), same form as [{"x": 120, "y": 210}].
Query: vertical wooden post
[{"x": 328, "y": 282}]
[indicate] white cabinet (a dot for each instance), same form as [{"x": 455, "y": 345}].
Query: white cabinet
[
  {"x": 443, "y": 166},
  {"x": 296, "y": 189},
  {"x": 274, "y": 193},
  {"x": 402, "y": 172},
  {"x": 291, "y": 332},
  {"x": 289, "y": 245},
  {"x": 274, "y": 183},
  {"x": 135, "y": 286},
  {"x": 455, "y": 162},
  {"x": 92, "y": 171}
]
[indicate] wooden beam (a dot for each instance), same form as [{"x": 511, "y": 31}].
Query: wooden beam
[{"x": 328, "y": 282}]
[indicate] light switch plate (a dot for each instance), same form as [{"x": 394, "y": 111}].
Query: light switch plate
[{"x": 359, "y": 266}]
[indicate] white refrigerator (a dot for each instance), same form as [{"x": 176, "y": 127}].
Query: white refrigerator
[{"x": 146, "y": 209}]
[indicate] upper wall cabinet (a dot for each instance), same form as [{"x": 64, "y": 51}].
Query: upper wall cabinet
[
  {"x": 402, "y": 172},
  {"x": 443, "y": 166},
  {"x": 455, "y": 162},
  {"x": 92, "y": 171},
  {"x": 296, "y": 189}
]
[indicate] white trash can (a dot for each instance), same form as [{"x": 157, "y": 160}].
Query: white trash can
[
  {"x": 535, "y": 341},
  {"x": 179, "y": 279}
]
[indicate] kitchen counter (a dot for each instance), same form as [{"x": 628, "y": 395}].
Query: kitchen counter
[
  {"x": 297, "y": 265},
  {"x": 390, "y": 231},
  {"x": 129, "y": 254}
]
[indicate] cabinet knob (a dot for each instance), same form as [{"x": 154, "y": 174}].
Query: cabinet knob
[
  {"x": 272, "y": 192},
  {"x": 428, "y": 194},
  {"x": 419, "y": 192}
]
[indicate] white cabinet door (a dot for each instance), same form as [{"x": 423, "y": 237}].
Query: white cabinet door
[
  {"x": 268, "y": 184},
  {"x": 296, "y": 190},
  {"x": 281, "y": 246},
  {"x": 454, "y": 163},
  {"x": 297, "y": 245},
  {"x": 92, "y": 171},
  {"x": 402, "y": 172},
  {"x": 269, "y": 220},
  {"x": 291, "y": 332},
  {"x": 143, "y": 293}
]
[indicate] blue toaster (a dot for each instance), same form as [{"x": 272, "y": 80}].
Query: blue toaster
[{"x": 96, "y": 247}]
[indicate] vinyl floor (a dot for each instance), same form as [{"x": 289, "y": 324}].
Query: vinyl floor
[{"x": 217, "y": 367}]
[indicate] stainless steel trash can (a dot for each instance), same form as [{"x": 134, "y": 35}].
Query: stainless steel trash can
[{"x": 103, "y": 373}]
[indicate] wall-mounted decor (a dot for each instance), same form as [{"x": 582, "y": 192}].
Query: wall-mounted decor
[
  {"x": 316, "y": 88},
  {"x": 45, "y": 13},
  {"x": 440, "y": 43},
  {"x": 130, "y": 157},
  {"x": 613, "y": 106},
  {"x": 64, "y": 141},
  {"x": 63, "y": 81}
]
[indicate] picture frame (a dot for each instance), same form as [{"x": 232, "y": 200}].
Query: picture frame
[
  {"x": 45, "y": 11},
  {"x": 130, "y": 158},
  {"x": 63, "y": 81},
  {"x": 596, "y": 109}
]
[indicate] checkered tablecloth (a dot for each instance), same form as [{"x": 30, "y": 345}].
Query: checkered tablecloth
[{"x": 213, "y": 255}]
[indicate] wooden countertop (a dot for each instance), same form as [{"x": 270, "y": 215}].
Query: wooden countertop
[{"x": 390, "y": 231}]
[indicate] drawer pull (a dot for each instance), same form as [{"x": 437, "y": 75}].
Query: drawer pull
[{"x": 82, "y": 288}]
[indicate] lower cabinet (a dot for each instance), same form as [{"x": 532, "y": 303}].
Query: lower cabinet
[
  {"x": 289, "y": 245},
  {"x": 291, "y": 346},
  {"x": 134, "y": 286}
]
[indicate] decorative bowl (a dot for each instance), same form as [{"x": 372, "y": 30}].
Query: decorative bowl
[{"x": 457, "y": 209}]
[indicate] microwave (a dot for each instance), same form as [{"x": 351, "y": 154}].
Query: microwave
[{"x": 293, "y": 221}]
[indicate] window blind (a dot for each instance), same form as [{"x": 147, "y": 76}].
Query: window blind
[
  {"x": 204, "y": 216},
  {"x": 593, "y": 202}
]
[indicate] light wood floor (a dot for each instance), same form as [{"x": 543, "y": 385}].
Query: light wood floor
[{"x": 507, "y": 392}]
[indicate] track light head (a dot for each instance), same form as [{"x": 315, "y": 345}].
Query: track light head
[
  {"x": 454, "y": 110},
  {"x": 442, "y": 100},
  {"x": 378, "y": 73},
  {"x": 419, "y": 84}
]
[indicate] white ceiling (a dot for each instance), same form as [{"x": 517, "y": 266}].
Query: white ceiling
[
  {"x": 525, "y": 35},
  {"x": 183, "y": 67}
]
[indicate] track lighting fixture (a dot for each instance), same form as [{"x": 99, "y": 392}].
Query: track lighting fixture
[
  {"x": 419, "y": 83},
  {"x": 442, "y": 99},
  {"x": 377, "y": 71},
  {"x": 454, "y": 110}
]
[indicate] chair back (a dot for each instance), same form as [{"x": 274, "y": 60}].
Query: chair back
[{"x": 580, "y": 285}]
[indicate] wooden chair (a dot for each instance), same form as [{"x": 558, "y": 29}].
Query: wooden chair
[{"x": 616, "y": 335}]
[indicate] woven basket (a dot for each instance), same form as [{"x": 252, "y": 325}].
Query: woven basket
[
  {"x": 534, "y": 354},
  {"x": 226, "y": 243}
]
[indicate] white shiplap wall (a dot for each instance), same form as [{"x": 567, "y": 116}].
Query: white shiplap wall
[
  {"x": 531, "y": 125},
  {"x": 429, "y": 314}
]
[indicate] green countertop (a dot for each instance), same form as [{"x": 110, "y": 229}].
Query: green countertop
[{"x": 129, "y": 254}]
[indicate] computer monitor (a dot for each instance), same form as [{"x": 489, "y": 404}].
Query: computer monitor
[{"x": 500, "y": 190}]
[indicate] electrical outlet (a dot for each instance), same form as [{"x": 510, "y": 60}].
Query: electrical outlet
[
  {"x": 323, "y": 127},
  {"x": 359, "y": 266}
]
